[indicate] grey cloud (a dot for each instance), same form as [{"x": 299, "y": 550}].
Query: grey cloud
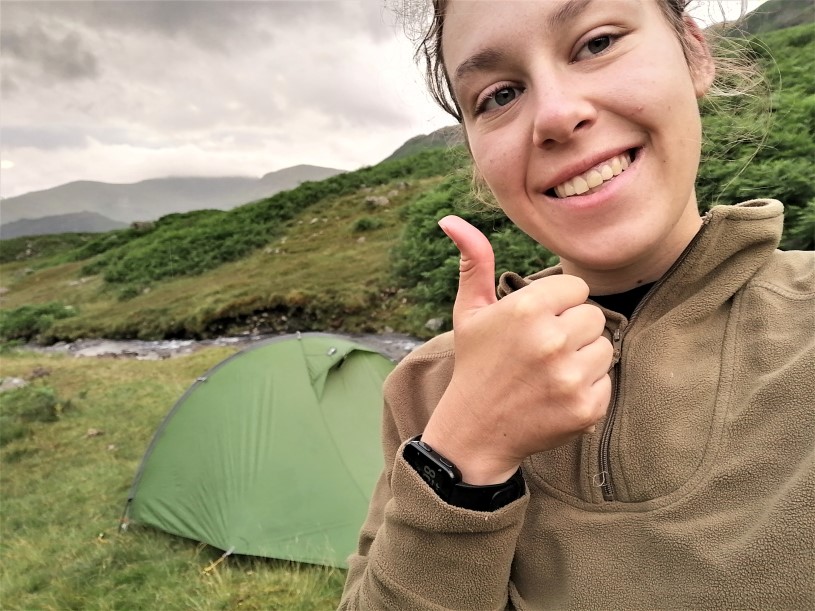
[
  {"x": 213, "y": 24},
  {"x": 59, "y": 57}
]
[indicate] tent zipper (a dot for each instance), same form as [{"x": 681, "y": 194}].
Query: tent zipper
[{"x": 606, "y": 483}]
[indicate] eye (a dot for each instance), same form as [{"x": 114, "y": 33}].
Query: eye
[
  {"x": 595, "y": 46},
  {"x": 498, "y": 97}
]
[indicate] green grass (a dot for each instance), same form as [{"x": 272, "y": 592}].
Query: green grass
[{"x": 63, "y": 492}]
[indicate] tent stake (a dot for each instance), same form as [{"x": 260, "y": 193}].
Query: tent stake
[{"x": 213, "y": 565}]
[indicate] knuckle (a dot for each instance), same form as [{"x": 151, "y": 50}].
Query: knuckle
[
  {"x": 598, "y": 316},
  {"x": 524, "y": 306},
  {"x": 570, "y": 382},
  {"x": 552, "y": 342}
]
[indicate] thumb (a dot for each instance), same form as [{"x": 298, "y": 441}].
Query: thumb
[{"x": 476, "y": 282}]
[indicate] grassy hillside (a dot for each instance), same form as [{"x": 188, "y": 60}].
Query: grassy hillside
[{"x": 314, "y": 258}]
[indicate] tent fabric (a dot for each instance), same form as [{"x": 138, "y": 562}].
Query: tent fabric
[{"x": 274, "y": 452}]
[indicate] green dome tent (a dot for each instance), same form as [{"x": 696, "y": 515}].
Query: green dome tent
[{"x": 274, "y": 452}]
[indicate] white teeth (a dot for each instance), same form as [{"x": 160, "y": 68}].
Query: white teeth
[
  {"x": 580, "y": 185},
  {"x": 594, "y": 177}
]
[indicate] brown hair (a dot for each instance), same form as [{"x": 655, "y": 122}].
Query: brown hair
[{"x": 736, "y": 73}]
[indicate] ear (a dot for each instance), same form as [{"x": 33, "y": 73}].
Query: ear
[{"x": 700, "y": 60}]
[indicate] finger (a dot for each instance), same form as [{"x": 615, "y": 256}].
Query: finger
[
  {"x": 559, "y": 293},
  {"x": 596, "y": 357},
  {"x": 583, "y": 324},
  {"x": 476, "y": 283},
  {"x": 600, "y": 393}
]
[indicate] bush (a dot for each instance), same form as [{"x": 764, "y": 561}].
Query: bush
[
  {"x": 366, "y": 223},
  {"x": 27, "y": 322}
]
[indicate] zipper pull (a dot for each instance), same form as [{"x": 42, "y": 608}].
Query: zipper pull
[{"x": 617, "y": 343}]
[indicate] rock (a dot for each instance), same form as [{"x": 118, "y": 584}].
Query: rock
[
  {"x": 361, "y": 240},
  {"x": 11, "y": 384},
  {"x": 314, "y": 220},
  {"x": 377, "y": 201},
  {"x": 4, "y": 290},
  {"x": 393, "y": 193},
  {"x": 434, "y": 324},
  {"x": 94, "y": 433}
]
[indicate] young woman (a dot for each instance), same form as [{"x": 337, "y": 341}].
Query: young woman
[{"x": 634, "y": 427}]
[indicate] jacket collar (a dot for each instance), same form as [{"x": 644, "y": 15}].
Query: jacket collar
[{"x": 732, "y": 245}]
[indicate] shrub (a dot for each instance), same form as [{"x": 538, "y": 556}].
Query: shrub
[
  {"x": 366, "y": 223},
  {"x": 27, "y": 322}
]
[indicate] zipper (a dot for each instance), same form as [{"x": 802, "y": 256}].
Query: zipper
[
  {"x": 606, "y": 483},
  {"x": 605, "y": 466}
]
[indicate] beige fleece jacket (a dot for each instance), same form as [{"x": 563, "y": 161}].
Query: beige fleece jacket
[{"x": 706, "y": 494}]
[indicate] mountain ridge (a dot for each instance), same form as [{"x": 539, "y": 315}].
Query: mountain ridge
[{"x": 149, "y": 199}]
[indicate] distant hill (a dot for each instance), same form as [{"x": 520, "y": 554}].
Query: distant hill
[
  {"x": 441, "y": 138},
  {"x": 777, "y": 15},
  {"x": 75, "y": 222},
  {"x": 150, "y": 199}
]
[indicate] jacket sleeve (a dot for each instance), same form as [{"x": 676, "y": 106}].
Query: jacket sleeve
[{"x": 415, "y": 551}]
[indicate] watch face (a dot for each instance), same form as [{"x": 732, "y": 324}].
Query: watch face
[{"x": 437, "y": 472}]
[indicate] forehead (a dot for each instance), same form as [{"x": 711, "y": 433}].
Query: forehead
[{"x": 473, "y": 24}]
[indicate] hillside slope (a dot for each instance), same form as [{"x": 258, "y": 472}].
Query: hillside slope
[
  {"x": 313, "y": 258},
  {"x": 777, "y": 15}
]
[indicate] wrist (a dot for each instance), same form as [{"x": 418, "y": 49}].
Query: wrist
[
  {"x": 477, "y": 468},
  {"x": 445, "y": 480}
]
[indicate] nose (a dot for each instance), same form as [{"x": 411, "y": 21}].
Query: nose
[{"x": 561, "y": 111}]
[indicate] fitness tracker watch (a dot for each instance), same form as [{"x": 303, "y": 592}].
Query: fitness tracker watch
[{"x": 445, "y": 480}]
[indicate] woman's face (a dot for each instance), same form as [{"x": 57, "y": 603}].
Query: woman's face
[{"x": 558, "y": 97}]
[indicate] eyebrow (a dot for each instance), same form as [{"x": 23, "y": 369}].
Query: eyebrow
[
  {"x": 489, "y": 58},
  {"x": 567, "y": 12}
]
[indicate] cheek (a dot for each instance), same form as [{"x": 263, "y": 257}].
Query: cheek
[{"x": 498, "y": 167}]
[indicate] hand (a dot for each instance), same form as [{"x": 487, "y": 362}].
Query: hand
[{"x": 531, "y": 370}]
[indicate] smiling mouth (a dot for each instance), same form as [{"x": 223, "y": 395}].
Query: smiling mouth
[{"x": 591, "y": 179}]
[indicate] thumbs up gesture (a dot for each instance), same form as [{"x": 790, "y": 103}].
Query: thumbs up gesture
[{"x": 531, "y": 370}]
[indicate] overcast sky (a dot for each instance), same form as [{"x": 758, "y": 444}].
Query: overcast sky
[{"x": 124, "y": 90}]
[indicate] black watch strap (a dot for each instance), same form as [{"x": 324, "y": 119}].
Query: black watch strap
[{"x": 445, "y": 479}]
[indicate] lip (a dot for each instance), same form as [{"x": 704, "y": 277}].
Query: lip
[
  {"x": 606, "y": 191},
  {"x": 584, "y": 165}
]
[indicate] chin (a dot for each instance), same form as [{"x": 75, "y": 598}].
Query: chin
[{"x": 608, "y": 256}]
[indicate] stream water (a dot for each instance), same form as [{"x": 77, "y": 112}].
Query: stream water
[{"x": 393, "y": 345}]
